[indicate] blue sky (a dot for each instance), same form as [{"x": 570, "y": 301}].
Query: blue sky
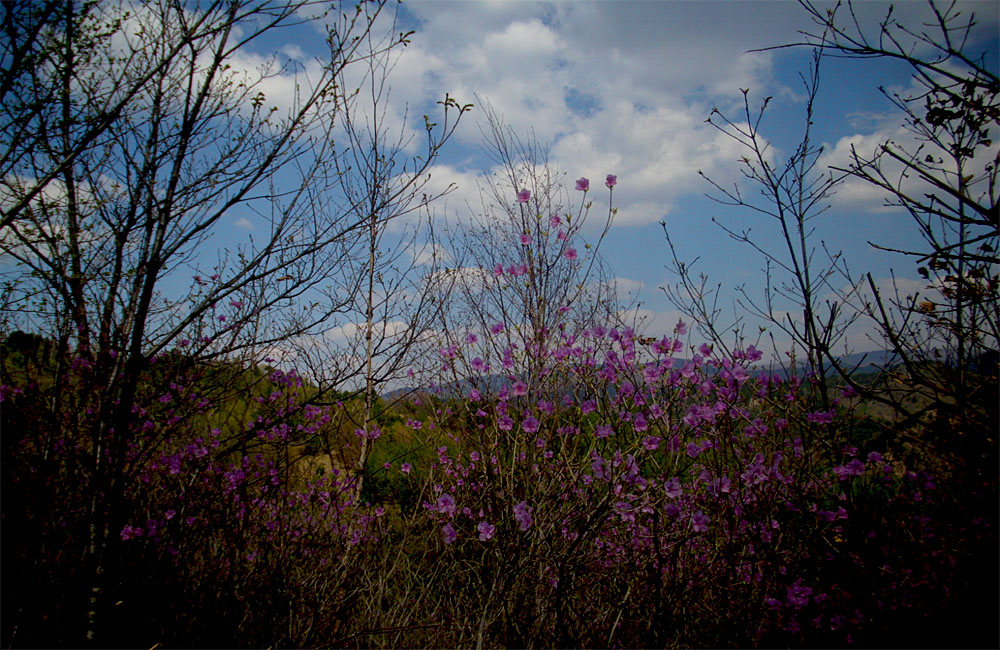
[{"x": 625, "y": 88}]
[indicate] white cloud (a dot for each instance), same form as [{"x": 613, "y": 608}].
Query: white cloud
[
  {"x": 599, "y": 82},
  {"x": 627, "y": 286},
  {"x": 649, "y": 322}
]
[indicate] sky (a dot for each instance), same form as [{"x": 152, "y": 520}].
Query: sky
[{"x": 625, "y": 88}]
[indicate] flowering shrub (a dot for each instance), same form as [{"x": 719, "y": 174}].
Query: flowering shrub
[{"x": 602, "y": 490}]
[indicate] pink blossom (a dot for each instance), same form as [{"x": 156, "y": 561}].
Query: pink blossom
[
  {"x": 496, "y": 328},
  {"x": 523, "y": 196},
  {"x": 611, "y": 181},
  {"x": 583, "y": 185},
  {"x": 554, "y": 221},
  {"x": 525, "y": 240},
  {"x": 498, "y": 270},
  {"x": 520, "y": 388},
  {"x": 570, "y": 254},
  {"x": 530, "y": 424}
]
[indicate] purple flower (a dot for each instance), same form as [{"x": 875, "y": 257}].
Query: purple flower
[
  {"x": 530, "y": 424},
  {"x": 520, "y": 388},
  {"x": 374, "y": 434},
  {"x": 672, "y": 488},
  {"x": 602, "y": 431},
  {"x": 525, "y": 240},
  {"x": 611, "y": 180},
  {"x": 505, "y": 423},
  {"x": 799, "y": 595},
  {"x": 486, "y": 530},
  {"x": 446, "y": 504},
  {"x": 128, "y": 532},
  {"x": 600, "y": 468},
  {"x": 588, "y": 406},
  {"x": 406, "y": 468},
  {"x": 820, "y": 417},
  {"x": 522, "y": 513},
  {"x": 449, "y": 533},
  {"x": 555, "y": 221},
  {"x": 474, "y": 395},
  {"x": 699, "y": 522},
  {"x": 583, "y": 185},
  {"x": 570, "y": 254},
  {"x": 498, "y": 270},
  {"x": 523, "y": 196},
  {"x": 639, "y": 423},
  {"x": 496, "y": 328},
  {"x": 853, "y": 468},
  {"x": 651, "y": 443}
]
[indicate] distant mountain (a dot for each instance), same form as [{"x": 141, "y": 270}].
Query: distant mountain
[{"x": 857, "y": 363}]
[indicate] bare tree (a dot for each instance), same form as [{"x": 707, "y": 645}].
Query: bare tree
[
  {"x": 945, "y": 179},
  {"x": 138, "y": 137},
  {"x": 792, "y": 194},
  {"x": 395, "y": 292}
]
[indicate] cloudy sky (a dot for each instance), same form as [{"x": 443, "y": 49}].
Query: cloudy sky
[{"x": 625, "y": 88}]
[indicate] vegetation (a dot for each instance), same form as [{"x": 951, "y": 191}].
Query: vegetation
[{"x": 559, "y": 480}]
